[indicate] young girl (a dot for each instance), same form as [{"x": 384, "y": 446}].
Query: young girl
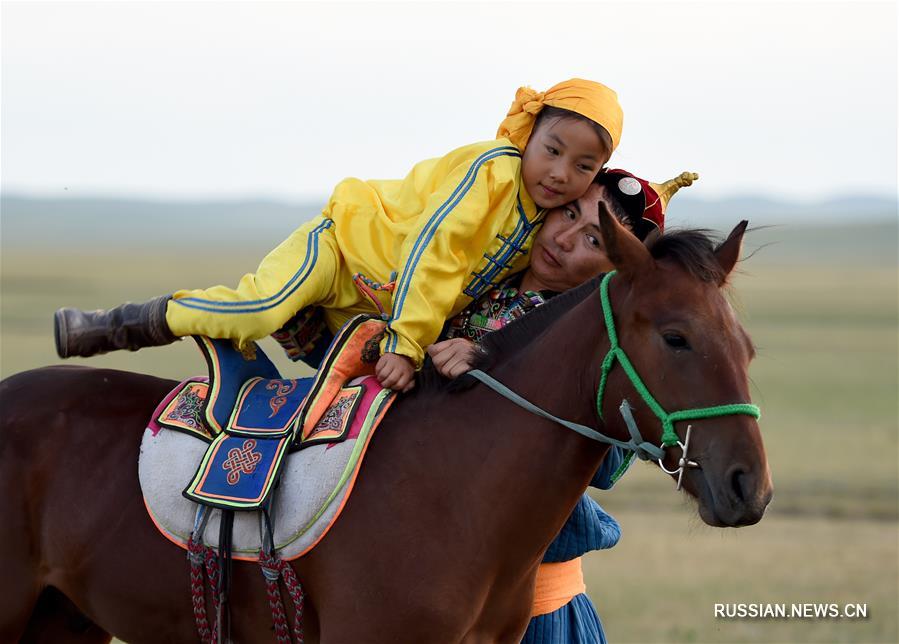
[{"x": 420, "y": 248}]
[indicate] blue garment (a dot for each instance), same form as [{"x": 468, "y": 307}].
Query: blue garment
[
  {"x": 588, "y": 528},
  {"x": 576, "y": 621}
]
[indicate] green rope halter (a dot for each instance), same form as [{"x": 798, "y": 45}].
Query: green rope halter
[
  {"x": 636, "y": 444},
  {"x": 669, "y": 436}
]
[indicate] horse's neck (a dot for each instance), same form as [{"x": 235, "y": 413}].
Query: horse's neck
[
  {"x": 551, "y": 466},
  {"x": 559, "y": 370}
]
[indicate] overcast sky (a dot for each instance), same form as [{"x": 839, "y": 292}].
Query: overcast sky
[{"x": 222, "y": 100}]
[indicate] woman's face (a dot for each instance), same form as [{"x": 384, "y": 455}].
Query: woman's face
[{"x": 568, "y": 249}]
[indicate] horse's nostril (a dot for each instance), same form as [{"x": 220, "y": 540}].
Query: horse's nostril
[{"x": 738, "y": 483}]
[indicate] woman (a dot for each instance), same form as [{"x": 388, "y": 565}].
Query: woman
[{"x": 566, "y": 252}]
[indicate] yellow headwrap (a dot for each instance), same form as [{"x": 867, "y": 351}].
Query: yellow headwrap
[{"x": 588, "y": 98}]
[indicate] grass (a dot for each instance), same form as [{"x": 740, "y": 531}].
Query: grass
[
  {"x": 661, "y": 582},
  {"x": 825, "y": 378}
]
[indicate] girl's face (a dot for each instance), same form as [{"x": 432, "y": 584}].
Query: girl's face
[
  {"x": 568, "y": 249},
  {"x": 560, "y": 161}
]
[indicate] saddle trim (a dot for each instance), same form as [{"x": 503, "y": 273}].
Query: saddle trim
[
  {"x": 165, "y": 407},
  {"x": 210, "y": 355},
  {"x": 349, "y": 474},
  {"x": 336, "y": 437},
  {"x": 215, "y": 380},
  {"x": 328, "y": 382}
]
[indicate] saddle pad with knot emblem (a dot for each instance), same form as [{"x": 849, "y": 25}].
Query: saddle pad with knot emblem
[{"x": 313, "y": 487}]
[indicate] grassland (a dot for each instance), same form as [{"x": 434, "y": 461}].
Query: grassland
[{"x": 822, "y": 309}]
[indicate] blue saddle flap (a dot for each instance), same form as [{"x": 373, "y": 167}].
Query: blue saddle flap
[
  {"x": 229, "y": 370},
  {"x": 237, "y": 472},
  {"x": 267, "y": 407}
]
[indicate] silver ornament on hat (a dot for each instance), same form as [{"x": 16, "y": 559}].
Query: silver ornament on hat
[{"x": 629, "y": 186}]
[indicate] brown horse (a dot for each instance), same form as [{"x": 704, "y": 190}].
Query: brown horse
[{"x": 461, "y": 492}]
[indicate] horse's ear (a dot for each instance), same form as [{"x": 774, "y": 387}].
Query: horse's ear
[
  {"x": 728, "y": 253},
  {"x": 625, "y": 251}
]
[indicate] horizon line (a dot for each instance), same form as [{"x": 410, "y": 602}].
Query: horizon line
[{"x": 198, "y": 199}]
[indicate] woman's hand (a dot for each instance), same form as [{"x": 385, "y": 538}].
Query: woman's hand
[
  {"x": 453, "y": 357},
  {"x": 395, "y": 372}
]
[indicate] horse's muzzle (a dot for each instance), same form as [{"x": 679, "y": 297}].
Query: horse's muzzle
[{"x": 736, "y": 497}]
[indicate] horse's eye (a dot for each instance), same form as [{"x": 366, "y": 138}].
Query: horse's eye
[{"x": 676, "y": 341}]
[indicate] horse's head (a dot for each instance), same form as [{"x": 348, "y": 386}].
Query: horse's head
[{"x": 683, "y": 338}]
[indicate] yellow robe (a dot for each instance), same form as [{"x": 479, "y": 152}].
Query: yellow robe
[{"x": 449, "y": 231}]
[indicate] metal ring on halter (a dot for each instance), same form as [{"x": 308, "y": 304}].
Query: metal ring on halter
[{"x": 683, "y": 462}]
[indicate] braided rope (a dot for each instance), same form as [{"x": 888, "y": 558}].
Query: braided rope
[
  {"x": 296, "y": 594},
  {"x": 212, "y": 573},
  {"x": 274, "y": 568},
  {"x": 197, "y": 589},
  {"x": 271, "y": 571}
]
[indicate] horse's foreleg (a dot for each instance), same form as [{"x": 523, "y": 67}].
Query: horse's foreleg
[
  {"x": 20, "y": 595},
  {"x": 20, "y": 585},
  {"x": 56, "y": 620},
  {"x": 30, "y": 611}
]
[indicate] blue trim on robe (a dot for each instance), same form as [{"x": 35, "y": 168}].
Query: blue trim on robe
[
  {"x": 257, "y": 306},
  {"x": 511, "y": 245}
]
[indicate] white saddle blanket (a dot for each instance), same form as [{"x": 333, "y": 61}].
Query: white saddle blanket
[{"x": 314, "y": 486}]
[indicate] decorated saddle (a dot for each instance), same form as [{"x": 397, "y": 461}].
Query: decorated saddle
[{"x": 283, "y": 453}]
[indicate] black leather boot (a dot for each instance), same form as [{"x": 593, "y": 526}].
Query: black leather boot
[{"x": 127, "y": 326}]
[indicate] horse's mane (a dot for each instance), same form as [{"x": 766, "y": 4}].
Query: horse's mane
[{"x": 691, "y": 249}]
